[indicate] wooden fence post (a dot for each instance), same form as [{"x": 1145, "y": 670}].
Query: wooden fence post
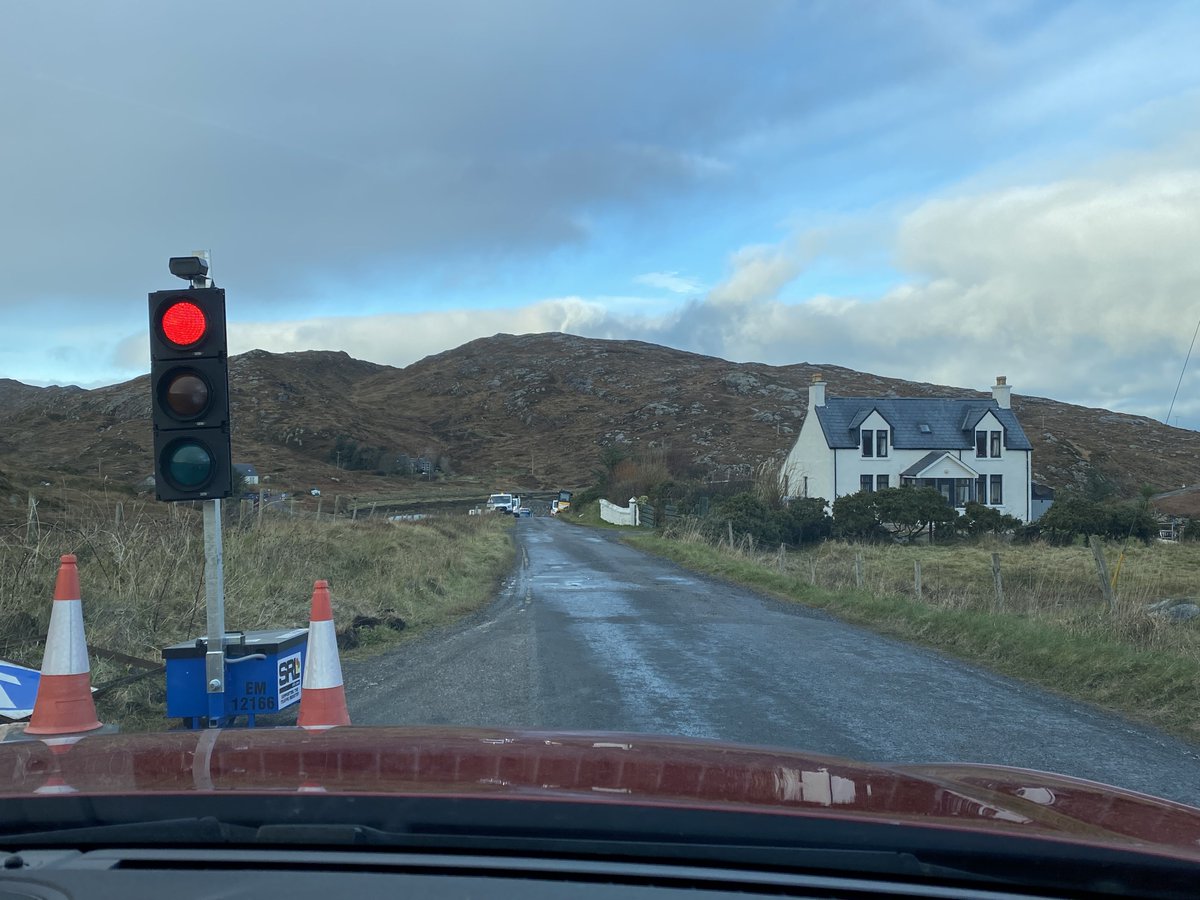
[
  {"x": 261, "y": 506},
  {"x": 371, "y": 514},
  {"x": 998, "y": 580},
  {"x": 1106, "y": 588},
  {"x": 858, "y": 570},
  {"x": 119, "y": 514},
  {"x": 812, "y": 572},
  {"x": 319, "y": 501},
  {"x": 782, "y": 556},
  {"x": 917, "y": 578},
  {"x": 729, "y": 528},
  {"x": 292, "y": 504}
]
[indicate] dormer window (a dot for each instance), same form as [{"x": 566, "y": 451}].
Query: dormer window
[
  {"x": 987, "y": 444},
  {"x": 874, "y": 442}
]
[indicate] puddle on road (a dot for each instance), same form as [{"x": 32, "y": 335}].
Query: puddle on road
[
  {"x": 677, "y": 579},
  {"x": 549, "y": 584}
]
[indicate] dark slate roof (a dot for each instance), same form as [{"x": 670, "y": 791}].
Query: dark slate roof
[
  {"x": 951, "y": 422},
  {"x": 861, "y": 416}
]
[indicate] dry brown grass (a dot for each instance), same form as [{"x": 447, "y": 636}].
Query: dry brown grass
[
  {"x": 1056, "y": 584},
  {"x": 1053, "y": 584},
  {"x": 141, "y": 577}
]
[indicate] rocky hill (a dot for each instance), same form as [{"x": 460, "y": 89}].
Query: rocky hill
[
  {"x": 14, "y": 395},
  {"x": 534, "y": 410}
]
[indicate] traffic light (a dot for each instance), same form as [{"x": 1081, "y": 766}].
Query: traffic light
[{"x": 189, "y": 384}]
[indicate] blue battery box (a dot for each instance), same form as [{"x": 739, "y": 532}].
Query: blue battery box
[{"x": 263, "y": 674}]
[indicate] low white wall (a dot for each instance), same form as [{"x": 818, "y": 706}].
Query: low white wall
[{"x": 619, "y": 515}]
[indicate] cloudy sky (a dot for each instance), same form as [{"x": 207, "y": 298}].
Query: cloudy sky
[{"x": 934, "y": 191}]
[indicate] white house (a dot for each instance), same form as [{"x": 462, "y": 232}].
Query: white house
[{"x": 969, "y": 449}]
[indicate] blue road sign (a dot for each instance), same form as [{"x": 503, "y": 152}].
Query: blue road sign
[{"x": 18, "y": 689}]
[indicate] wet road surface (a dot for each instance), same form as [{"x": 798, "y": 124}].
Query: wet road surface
[{"x": 590, "y": 634}]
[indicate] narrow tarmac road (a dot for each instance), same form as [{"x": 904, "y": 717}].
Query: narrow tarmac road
[{"x": 590, "y": 634}]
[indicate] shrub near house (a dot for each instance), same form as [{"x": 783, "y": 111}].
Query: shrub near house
[
  {"x": 880, "y": 515},
  {"x": 800, "y": 522},
  {"x": 865, "y": 516},
  {"x": 1072, "y": 517}
]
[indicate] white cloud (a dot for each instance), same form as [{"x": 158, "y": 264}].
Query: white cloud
[
  {"x": 1083, "y": 290},
  {"x": 399, "y": 339},
  {"x": 671, "y": 281},
  {"x": 759, "y": 272}
]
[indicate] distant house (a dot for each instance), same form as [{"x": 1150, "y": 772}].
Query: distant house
[
  {"x": 248, "y": 472},
  {"x": 968, "y": 449},
  {"x": 1041, "y": 498}
]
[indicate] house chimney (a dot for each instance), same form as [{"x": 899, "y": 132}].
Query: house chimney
[
  {"x": 816, "y": 392},
  {"x": 1002, "y": 392}
]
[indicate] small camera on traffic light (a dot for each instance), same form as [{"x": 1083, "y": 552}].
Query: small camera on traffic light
[{"x": 189, "y": 267}]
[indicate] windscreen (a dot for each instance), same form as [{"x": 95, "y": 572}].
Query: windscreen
[{"x": 814, "y": 376}]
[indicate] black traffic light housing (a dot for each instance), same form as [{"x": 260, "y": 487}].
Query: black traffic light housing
[{"x": 189, "y": 389}]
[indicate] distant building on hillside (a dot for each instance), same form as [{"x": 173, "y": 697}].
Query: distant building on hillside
[
  {"x": 1041, "y": 499},
  {"x": 248, "y": 472},
  {"x": 968, "y": 449}
]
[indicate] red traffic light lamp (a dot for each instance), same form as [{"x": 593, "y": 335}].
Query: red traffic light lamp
[
  {"x": 184, "y": 324},
  {"x": 187, "y": 324}
]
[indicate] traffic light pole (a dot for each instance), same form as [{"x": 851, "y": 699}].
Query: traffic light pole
[{"x": 214, "y": 589}]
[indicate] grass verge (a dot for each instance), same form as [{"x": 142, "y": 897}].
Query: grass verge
[
  {"x": 1126, "y": 662},
  {"x": 142, "y": 582}
]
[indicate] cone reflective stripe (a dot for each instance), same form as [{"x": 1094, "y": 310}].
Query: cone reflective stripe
[
  {"x": 64, "y": 697},
  {"x": 55, "y": 783},
  {"x": 322, "y": 694},
  {"x": 310, "y": 786}
]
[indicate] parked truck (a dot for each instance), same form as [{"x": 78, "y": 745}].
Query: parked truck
[{"x": 505, "y": 503}]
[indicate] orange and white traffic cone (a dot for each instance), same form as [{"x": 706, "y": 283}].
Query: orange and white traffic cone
[
  {"x": 64, "y": 697},
  {"x": 322, "y": 694}
]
